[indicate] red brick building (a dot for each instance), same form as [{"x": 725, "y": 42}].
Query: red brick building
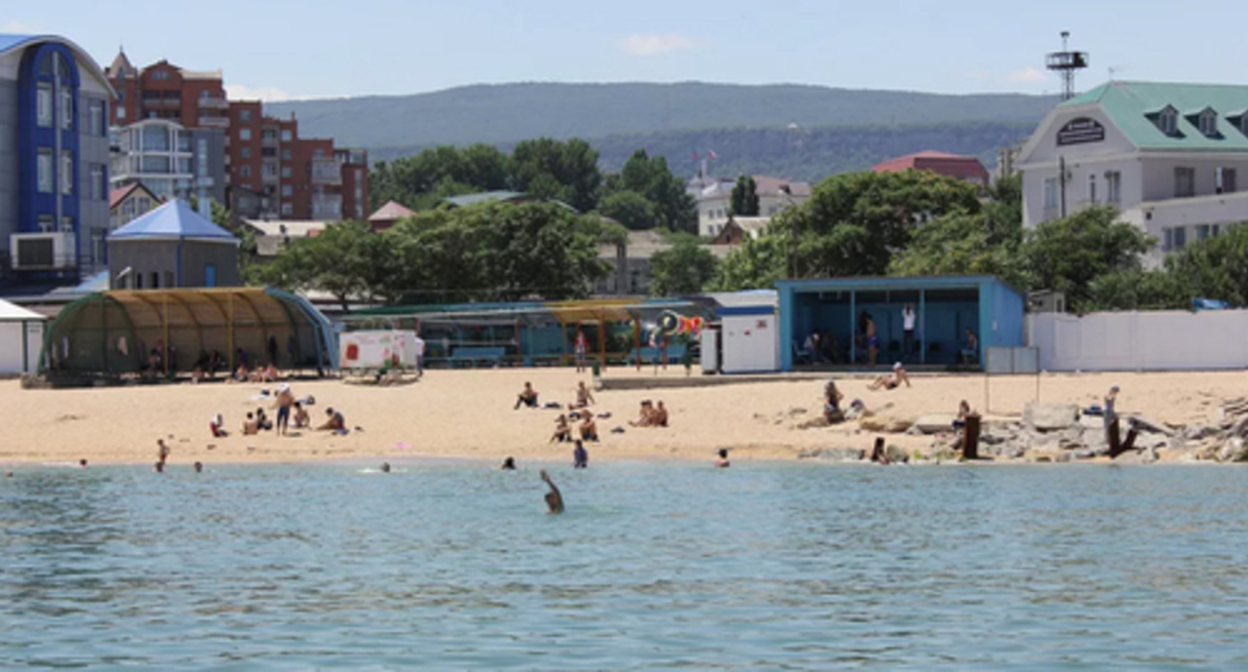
[
  {"x": 966, "y": 168},
  {"x": 270, "y": 172}
]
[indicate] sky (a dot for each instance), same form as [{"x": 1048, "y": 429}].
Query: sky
[{"x": 280, "y": 50}]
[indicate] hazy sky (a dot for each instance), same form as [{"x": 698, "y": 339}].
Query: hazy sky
[{"x": 276, "y": 49}]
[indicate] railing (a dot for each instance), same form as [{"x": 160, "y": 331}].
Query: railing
[
  {"x": 214, "y": 122},
  {"x": 326, "y": 172},
  {"x": 327, "y": 207},
  {"x": 212, "y": 102}
]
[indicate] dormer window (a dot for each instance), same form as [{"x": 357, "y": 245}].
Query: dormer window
[
  {"x": 1206, "y": 120},
  {"x": 1166, "y": 120},
  {"x": 1239, "y": 120}
]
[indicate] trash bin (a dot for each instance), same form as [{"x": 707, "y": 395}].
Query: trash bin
[{"x": 596, "y": 367}]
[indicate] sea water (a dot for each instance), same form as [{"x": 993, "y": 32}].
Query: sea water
[{"x": 653, "y": 566}]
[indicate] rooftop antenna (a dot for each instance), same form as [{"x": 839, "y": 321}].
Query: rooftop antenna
[{"x": 1066, "y": 64}]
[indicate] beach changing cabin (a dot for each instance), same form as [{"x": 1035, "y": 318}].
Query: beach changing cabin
[
  {"x": 944, "y": 308},
  {"x": 21, "y": 338}
]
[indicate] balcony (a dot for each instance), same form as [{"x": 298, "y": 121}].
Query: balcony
[
  {"x": 326, "y": 172},
  {"x": 214, "y": 122},
  {"x": 327, "y": 207},
  {"x": 214, "y": 103}
]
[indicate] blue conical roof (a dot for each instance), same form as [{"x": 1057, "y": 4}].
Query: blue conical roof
[{"x": 172, "y": 220}]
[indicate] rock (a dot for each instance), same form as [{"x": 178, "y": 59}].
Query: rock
[
  {"x": 934, "y": 423},
  {"x": 1134, "y": 457},
  {"x": 833, "y": 454},
  {"x": 1064, "y": 457},
  {"x": 896, "y": 455},
  {"x": 1234, "y": 450},
  {"x": 1092, "y": 422},
  {"x": 1043, "y": 459},
  {"x": 1144, "y": 425},
  {"x": 1050, "y": 417},
  {"x": 873, "y": 424},
  {"x": 1199, "y": 432},
  {"x": 898, "y": 425}
]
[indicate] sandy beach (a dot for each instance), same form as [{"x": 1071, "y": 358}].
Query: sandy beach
[{"x": 469, "y": 414}]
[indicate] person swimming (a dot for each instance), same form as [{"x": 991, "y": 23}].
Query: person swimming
[
  {"x": 509, "y": 464},
  {"x": 554, "y": 500},
  {"x": 385, "y": 467},
  {"x": 721, "y": 462},
  {"x": 199, "y": 467}
]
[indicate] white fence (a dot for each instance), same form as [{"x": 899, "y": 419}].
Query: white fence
[{"x": 1147, "y": 341}]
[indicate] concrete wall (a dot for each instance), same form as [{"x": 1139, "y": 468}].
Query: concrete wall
[
  {"x": 145, "y": 257},
  {"x": 1140, "y": 341}
]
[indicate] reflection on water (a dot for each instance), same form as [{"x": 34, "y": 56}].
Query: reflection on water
[{"x": 652, "y": 566}]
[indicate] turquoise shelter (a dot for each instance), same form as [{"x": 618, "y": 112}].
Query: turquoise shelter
[{"x": 945, "y": 307}]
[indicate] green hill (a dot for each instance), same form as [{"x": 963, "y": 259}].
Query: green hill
[{"x": 511, "y": 112}]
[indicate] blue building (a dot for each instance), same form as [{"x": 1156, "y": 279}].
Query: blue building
[
  {"x": 54, "y": 156},
  {"x": 944, "y": 307}
]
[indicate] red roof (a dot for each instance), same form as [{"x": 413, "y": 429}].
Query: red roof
[
  {"x": 390, "y": 212},
  {"x": 952, "y": 165},
  {"x": 118, "y": 196}
]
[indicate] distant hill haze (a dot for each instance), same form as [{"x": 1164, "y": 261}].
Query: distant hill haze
[{"x": 747, "y": 126}]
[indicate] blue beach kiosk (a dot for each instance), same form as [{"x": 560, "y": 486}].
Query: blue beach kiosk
[{"x": 945, "y": 307}]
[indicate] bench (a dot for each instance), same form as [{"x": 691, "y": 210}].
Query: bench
[
  {"x": 472, "y": 355},
  {"x": 675, "y": 353}
]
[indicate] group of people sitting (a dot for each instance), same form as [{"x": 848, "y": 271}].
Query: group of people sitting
[
  {"x": 588, "y": 428},
  {"x": 652, "y": 415}
]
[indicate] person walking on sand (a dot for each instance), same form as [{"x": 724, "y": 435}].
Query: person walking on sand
[
  {"x": 554, "y": 500},
  {"x": 580, "y": 456},
  {"x": 581, "y": 346},
  {"x": 284, "y": 403}
]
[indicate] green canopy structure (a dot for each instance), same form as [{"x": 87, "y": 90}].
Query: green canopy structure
[{"x": 116, "y": 332}]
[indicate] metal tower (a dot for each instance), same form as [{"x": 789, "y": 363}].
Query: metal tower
[{"x": 1066, "y": 63}]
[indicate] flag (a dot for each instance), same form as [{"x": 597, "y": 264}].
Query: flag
[
  {"x": 695, "y": 156},
  {"x": 712, "y": 155}
]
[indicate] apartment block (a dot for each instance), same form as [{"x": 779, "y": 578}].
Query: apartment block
[{"x": 269, "y": 171}]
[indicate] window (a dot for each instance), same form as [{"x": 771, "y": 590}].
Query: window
[
  {"x": 244, "y": 134},
  {"x": 245, "y": 171},
  {"x": 1092, "y": 189},
  {"x": 1208, "y": 123},
  {"x": 287, "y": 190},
  {"x": 1174, "y": 238},
  {"x": 1227, "y": 181},
  {"x": 286, "y": 155},
  {"x": 359, "y": 175},
  {"x": 1168, "y": 121},
  {"x": 67, "y": 173},
  {"x": 268, "y": 152},
  {"x": 286, "y": 135},
  {"x": 155, "y": 280},
  {"x": 245, "y": 152},
  {"x": 121, "y": 111},
  {"x": 46, "y": 224},
  {"x": 137, "y": 279},
  {"x": 1202, "y": 231},
  {"x": 201, "y": 156},
  {"x": 286, "y": 172},
  {"x": 43, "y": 105},
  {"x": 99, "y": 251},
  {"x": 95, "y": 109},
  {"x": 244, "y": 115},
  {"x": 1050, "y": 193},
  {"x": 46, "y": 171},
  {"x": 67, "y": 108},
  {"x": 97, "y": 182},
  {"x": 67, "y": 225},
  {"x": 318, "y": 153},
  {"x": 1113, "y": 186},
  {"x": 1184, "y": 182},
  {"x": 287, "y": 209},
  {"x": 161, "y": 76},
  {"x": 168, "y": 278}
]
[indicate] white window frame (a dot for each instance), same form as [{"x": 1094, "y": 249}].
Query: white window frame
[
  {"x": 44, "y": 113},
  {"x": 288, "y": 190},
  {"x": 97, "y": 182},
  {"x": 1092, "y": 188},
  {"x": 1208, "y": 123},
  {"x": 244, "y": 134},
  {"x": 287, "y": 135},
  {"x": 288, "y": 209},
  {"x": 67, "y": 108},
  {"x": 1168, "y": 122},
  {"x": 1113, "y": 186},
  {"x": 1052, "y": 193},
  {"x": 67, "y": 173},
  {"x": 46, "y": 169}
]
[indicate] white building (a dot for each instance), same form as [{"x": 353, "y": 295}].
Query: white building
[
  {"x": 1168, "y": 156},
  {"x": 171, "y": 161},
  {"x": 774, "y": 196}
]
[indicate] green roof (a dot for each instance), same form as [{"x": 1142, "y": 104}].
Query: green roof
[
  {"x": 483, "y": 197},
  {"x": 1130, "y": 104}
]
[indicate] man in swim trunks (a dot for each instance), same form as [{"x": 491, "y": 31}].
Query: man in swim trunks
[
  {"x": 527, "y": 397},
  {"x": 285, "y": 401}
]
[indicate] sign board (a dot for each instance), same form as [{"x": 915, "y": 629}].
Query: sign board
[
  {"x": 377, "y": 349},
  {"x": 1080, "y": 131}
]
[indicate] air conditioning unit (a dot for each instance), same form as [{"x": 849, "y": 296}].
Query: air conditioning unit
[{"x": 43, "y": 251}]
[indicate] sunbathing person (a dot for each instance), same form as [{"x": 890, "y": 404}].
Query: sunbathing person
[
  {"x": 646, "y": 419},
  {"x": 891, "y": 382},
  {"x": 240, "y": 375},
  {"x": 589, "y": 429},
  {"x": 334, "y": 422},
  {"x": 562, "y": 431},
  {"x": 301, "y": 418},
  {"x": 217, "y": 426},
  {"x": 583, "y": 397},
  {"x": 527, "y": 397},
  {"x": 659, "y": 418},
  {"x": 251, "y": 426}
]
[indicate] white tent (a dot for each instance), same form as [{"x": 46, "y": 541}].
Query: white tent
[{"x": 21, "y": 338}]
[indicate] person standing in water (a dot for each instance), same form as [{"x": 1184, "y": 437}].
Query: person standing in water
[
  {"x": 721, "y": 462},
  {"x": 554, "y": 500},
  {"x": 580, "y": 457}
]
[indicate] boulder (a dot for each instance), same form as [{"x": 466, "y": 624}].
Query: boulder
[
  {"x": 873, "y": 424},
  {"x": 896, "y": 455},
  {"x": 1051, "y": 417},
  {"x": 1234, "y": 450},
  {"x": 833, "y": 454},
  {"x": 934, "y": 423},
  {"x": 1199, "y": 432},
  {"x": 1136, "y": 457},
  {"x": 898, "y": 425}
]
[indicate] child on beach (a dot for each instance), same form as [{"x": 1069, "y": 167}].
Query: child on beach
[
  {"x": 832, "y": 403},
  {"x": 301, "y": 416},
  {"x": 659, "y": 419},
  {"x": 646, "y": 417},
  {"x": 217, "y": 426}
]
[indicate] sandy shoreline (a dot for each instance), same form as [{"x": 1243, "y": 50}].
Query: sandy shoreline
[{"x": 468, "y": 415}]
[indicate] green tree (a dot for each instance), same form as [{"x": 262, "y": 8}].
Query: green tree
[
  {"x": 629, "y": 208},
  {"x": 420, "y": 181},
  {"x": 674, "y": 208},
  {"x": 744, "y": 201},
  {"x": 962, "y": 244},
  {"x": 756, "y": 264},
  {"x": 347, "y": 260},
  {"x": 566, "y": 171},
  {"x": 1214, "y": 268},
  {"x": 1137, "y": 290},
  {"x": 683, "y": 269},
  {"x": 1066, "y": 255}
]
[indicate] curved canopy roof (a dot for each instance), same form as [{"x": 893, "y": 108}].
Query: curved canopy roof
[{"x": 10, "y": 42}]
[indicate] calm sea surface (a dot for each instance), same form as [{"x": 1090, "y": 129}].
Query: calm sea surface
[{"x": 654, "y": 566}]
